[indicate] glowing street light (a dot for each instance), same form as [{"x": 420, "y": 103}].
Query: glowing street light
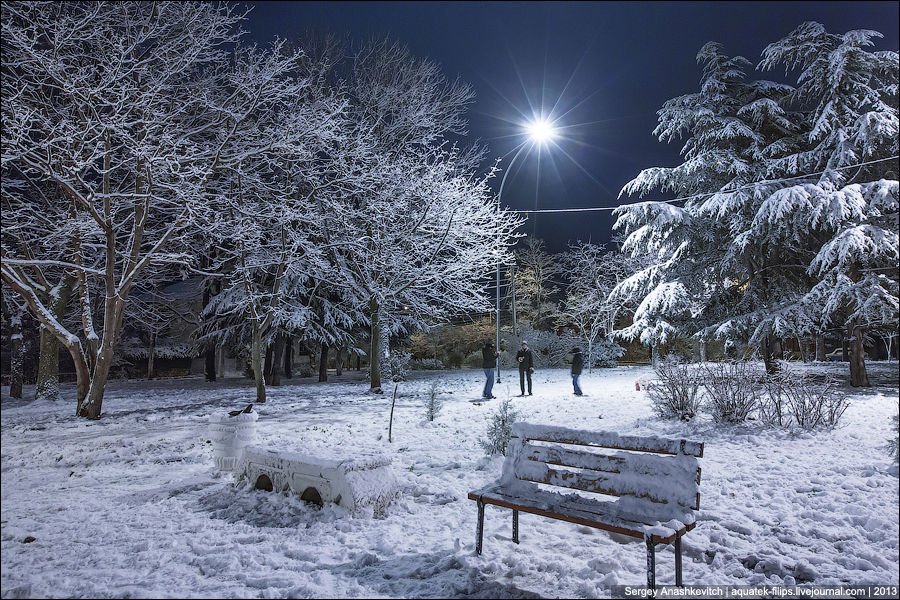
[{"x": 539, "y": 131}]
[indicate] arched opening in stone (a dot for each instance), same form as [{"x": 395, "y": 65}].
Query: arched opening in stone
[
  {"x": 311, "y": 495},
  {"x": 264, "y": 483}
]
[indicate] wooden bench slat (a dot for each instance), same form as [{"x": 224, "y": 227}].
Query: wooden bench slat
[
  {"x": 610, "y": 484},
  {"x": 613, "y": 475},
  {"x": 607, "y": 439}
]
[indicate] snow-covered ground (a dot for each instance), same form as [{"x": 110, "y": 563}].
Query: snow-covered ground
[{"x": 129, "y": 506}]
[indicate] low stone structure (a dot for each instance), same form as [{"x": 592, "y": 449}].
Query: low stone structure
[{"x": 353, "y": 483}]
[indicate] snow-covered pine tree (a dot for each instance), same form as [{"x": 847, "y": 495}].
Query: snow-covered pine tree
[
  {"x": 702, "y": 276},
  {"x": 768, "y": 207},
  {"x": 853, "y": 145}
]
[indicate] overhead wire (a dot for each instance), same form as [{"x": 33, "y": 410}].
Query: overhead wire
[{"x": 685, "y": 198}]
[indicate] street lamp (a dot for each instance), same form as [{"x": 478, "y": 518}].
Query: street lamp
[{"x": 539, "y": 130}]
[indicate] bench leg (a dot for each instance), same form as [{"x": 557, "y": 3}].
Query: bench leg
[
  {"x": 515, "y": 526},
  {"x": 479, "y": 528},
  {"x": 651, "y": 562},
  {"x": 678, "y": 562}
]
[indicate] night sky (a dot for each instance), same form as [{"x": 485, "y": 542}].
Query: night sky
[{"x": 599, "y": 70}]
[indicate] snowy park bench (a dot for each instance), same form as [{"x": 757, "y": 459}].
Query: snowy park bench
[{"x": 569, "y": 474}]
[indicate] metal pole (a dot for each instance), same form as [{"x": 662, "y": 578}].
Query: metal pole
[
  {"x": 500, "y": 193},
  {"x": 513, "y": 282},
  {"x": 497, "y": 313}
]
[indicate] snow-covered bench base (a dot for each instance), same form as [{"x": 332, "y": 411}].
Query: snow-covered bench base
[
  {"x": 352, "y": 483},
  {"x": 656, "y": 480}
]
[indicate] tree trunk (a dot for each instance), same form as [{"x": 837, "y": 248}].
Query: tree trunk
[
  {"x": 112, "y": 320},
  {"x": 772, "y": 353},
  {"x": 151, "y": 356},
  {"x": 221, "y": 358},
  {"x": 256, "y": 362},
  {"x": 375, "y": 350},
  {"x": 820, "y": 347},
  {"x": 858, "y": 375},
  {"x": 277, "y": 351},
  {"x": 288, "y": 356},
  {"x": 17, "y": 358},
  {"x": 267, "y": 365},
  {"x": 210, "y": 357},
  {"x": 338, "y": 361},
  {"x": 209, "y": 352},
  {"x": 323, "y": 363},
  {"x": 47, "y": 386}
]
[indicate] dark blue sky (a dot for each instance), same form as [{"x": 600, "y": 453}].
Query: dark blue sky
[{"x": 601, "y": 69}]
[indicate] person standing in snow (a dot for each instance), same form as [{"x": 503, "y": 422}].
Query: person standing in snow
[
  {"x": 489, "y": 363},
  {"x": 577, "y": 365},
  {"x": 526, "y": 366}
]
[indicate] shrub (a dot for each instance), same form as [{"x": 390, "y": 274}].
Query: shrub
[
  {"x": 426, "y": 364},
  {"x": 794, "y": 399},
  {"x": 500, "y": 430},
  {"x": 676, "y": 394},
  {"x": 399, "y": 366},
  {"x": 433, "y": 402},
  {"x": 773, "y": 409},
  {"x": 893, "y": 444},
  {"x": 732, "y": 390},
  {"x": 605, "y": 353}
]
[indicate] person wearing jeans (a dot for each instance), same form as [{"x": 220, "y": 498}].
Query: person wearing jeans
[
  {"x": 577, "y": 365},
  {"x": 489, "y": 362}
]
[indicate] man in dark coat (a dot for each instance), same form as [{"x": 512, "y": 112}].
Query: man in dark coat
[
  {"x": 489, "y": 363},
  {"x": 577, "y": 365},
  {"x": 526, "y": 366}
]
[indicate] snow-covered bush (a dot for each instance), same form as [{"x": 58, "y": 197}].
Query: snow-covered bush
[
  {"x": 426, "y": 364},
  {"x": 893, "y": 444},
  {"x": 605, "y": 353},
  {"x": 500, "y": 430},
  {"x": 794, "y": 399},
  {"x": 433, "y": 402},
  {"x": 398, "y": 366},
  {"x": 773, "y": 408},
  {"x": 677, "y": 393},
  {"x": 475, "y": 360},
  {"x": 732, "y": 390},
  {"x": 550, "y": 349},
  {"x": 541, "y": 344}
]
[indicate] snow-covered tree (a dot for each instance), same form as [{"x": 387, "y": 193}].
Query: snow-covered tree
[
  {"x": 593, "y": 273},
  {"x": 853, "y": 143},
  {"x": 411, "y": 230},
  {"x": 535, "y": 285},
  {"x": 132, "y": 110},
  {"x": 765, "y": 193}
]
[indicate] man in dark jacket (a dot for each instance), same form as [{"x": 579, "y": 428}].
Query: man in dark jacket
[
  {"x": 489, "y": 362},
  {"x": 526, "y": 366},
  {"x": 577, "y": 365}
]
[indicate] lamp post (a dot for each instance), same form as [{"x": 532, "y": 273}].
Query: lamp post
[{"x": 539, "y": 130}]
